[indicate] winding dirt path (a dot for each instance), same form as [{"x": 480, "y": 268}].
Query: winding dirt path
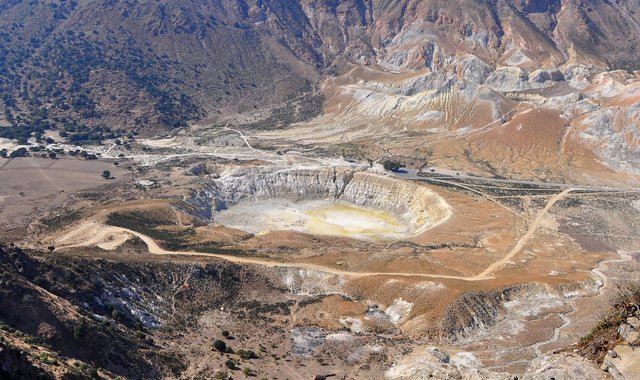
[
  {"x": 97, "y": 232},
  {"x": 155, "y": 249},
  {"x": 604, "y": 280},
  {"x": 524, "y": 239}
]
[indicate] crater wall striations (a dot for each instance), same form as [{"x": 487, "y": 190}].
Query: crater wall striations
[{"x": 415, "y": 205}]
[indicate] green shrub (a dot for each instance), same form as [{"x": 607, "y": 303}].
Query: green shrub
[
  {"x": 220, "y": 346},
  {"x": 247, "y": 354},
  {"x": 390, "y": 165}
]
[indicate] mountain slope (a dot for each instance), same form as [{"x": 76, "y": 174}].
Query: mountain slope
[{"x": 152, "y": 65}]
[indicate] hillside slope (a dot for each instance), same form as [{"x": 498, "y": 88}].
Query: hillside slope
[{"x": 152, "y": 65}]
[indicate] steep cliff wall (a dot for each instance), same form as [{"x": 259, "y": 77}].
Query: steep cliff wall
[
  {"x": 416, "y": 204},
  {"x": 291, "y": 184}
]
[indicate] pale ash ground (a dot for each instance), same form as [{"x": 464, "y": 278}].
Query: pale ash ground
[{"x": 324, "y": 217}]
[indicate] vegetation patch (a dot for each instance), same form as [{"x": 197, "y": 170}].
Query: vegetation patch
[
  {"x": 605, "y": 336},
  {"x": 61, "y": 220}
]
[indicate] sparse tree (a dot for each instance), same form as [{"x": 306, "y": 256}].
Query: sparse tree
[
  {"x": 219, "y": 346},
  {"x": 20, "y": 152},
  {"x": 390, "y": 165},
  {"x": 106, "y": 174},
  {"x": 247, "y": 354},
  {"x": 52, "y": 155}
]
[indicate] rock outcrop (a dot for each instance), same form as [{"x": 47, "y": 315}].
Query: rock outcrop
[
  {"x": 432, "y": 362},
  {"x": 562, "y": 367},
  {"x": 623, "y": 362},
  {"x": 476, "y": 310}
]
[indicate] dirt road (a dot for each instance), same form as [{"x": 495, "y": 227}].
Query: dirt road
[
  {"x": 96, "y": 233},
  {"x": 524, "y": 239}
]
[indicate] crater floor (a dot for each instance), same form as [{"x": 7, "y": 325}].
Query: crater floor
[{"x": 322, "y": 217}]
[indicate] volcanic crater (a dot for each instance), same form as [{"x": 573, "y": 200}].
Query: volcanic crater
[{"x": 324, "y": 201}]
